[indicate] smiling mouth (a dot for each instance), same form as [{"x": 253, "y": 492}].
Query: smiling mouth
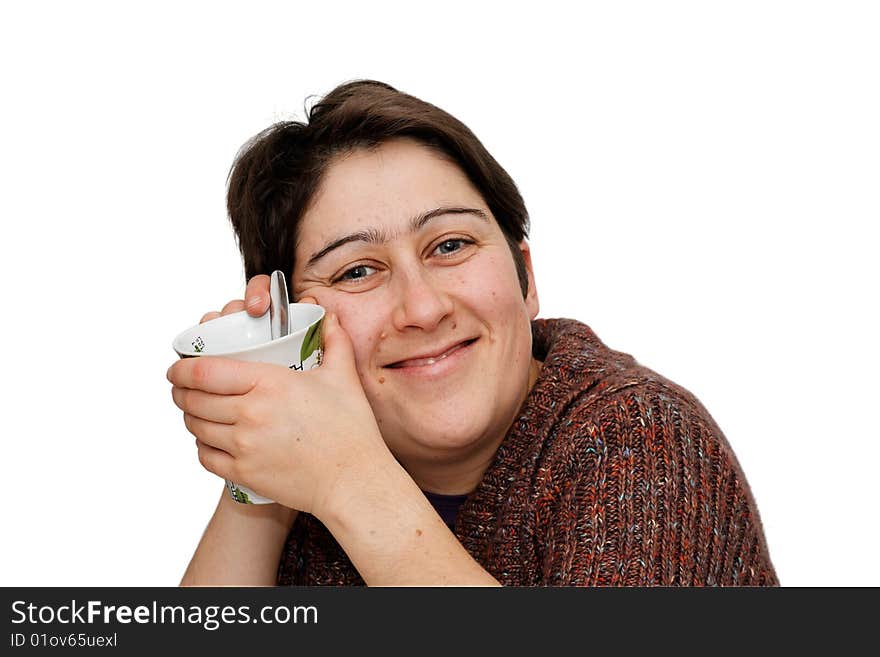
[{"x": 419, "y": 362}]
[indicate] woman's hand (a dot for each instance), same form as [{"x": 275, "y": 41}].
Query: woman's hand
[
  {"x": 294, "y": 437},
  {"x": 256, "y": 300}
]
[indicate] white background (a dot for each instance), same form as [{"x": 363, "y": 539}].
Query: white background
[{"x": 702, "y": 179}]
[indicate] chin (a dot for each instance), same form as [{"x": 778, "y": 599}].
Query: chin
[{"x": 442, "y": 436}]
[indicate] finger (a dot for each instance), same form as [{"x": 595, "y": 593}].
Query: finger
[
  {"x": 257, "y": 295},
  {"x": 207, "y": 317},
  {"x": 234, "y": 306},
  {"x": 204, "y": 405},
  {"x": 311, "y": 300},
  {"x": 221, "y": 376},
  {"x": 215, "y": 460},
  {"x": 338, "y": 350},
  {"x": 218, "y": 436}
]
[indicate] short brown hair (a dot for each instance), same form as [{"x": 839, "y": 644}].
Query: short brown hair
[{"x": 276, "y": 173}]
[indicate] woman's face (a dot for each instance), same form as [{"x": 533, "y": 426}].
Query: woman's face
[{"x": 401, "y": 246}]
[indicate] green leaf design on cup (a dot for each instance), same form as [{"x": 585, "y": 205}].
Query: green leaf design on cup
[
  {"x": 312, "y": 341},
  {"x": 239, "y": 495}
]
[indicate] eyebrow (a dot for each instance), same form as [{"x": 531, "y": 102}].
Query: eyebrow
[{"x": 374, "y": 236}]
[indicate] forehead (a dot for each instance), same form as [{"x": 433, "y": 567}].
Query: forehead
[{"x": 385, "y": 187}]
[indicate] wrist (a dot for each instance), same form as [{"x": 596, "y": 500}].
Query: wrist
[
  {"x": 371, "y": 476},
  {"x": 394, "y": 537}
]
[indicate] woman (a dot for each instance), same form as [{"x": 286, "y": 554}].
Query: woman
[{"x": 449, "y": 436}]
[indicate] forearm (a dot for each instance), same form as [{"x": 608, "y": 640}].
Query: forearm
[
  {"x": 241, "y": 545},
  {"x": 393, "y": 536}
]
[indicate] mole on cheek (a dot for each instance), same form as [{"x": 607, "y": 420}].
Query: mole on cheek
[
  {"x": 454, "y": 325},
  {"x": 381, "y": 379}
]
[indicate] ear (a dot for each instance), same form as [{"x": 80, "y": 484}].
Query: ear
[{"x": 531, "y": 299}]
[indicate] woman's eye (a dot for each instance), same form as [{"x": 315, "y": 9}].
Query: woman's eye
[
  {"x": 355, "y": 273},
  {"x": 448, "y": 247}
]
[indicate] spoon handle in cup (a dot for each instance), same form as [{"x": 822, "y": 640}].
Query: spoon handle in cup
[{"x": 278, "y": 305}]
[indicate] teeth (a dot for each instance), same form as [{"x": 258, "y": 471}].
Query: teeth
[{"x": 429, "y": 361}]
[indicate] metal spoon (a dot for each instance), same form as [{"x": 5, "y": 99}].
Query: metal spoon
[{"x": 278, "y": 305}]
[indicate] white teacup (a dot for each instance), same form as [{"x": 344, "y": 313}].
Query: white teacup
[{"x": 242, "y": 337}]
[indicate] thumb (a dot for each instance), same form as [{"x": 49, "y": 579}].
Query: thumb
[{"x": 338, "y": 349}]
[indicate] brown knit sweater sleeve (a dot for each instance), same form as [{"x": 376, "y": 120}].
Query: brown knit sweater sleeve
[{"x": 651, "y": 494}]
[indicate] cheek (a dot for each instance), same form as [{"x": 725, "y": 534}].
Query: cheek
[
  {"x": 363, "y": 327},
  {"x": 498, "y": 290}
]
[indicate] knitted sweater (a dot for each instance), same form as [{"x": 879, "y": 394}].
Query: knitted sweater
[{"x": 611, "y": 476}]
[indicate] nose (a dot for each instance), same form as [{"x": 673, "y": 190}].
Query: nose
[{"x": 420, "y": 301}]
